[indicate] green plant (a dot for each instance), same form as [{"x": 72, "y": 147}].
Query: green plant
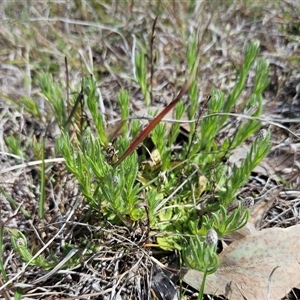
[
  {"x": 201, "y": 255},
  {"x": 221, "y": 186},
  {"x": 176, "y": 193},
  {"x": 15, "y": 146},
  {"x": 19, "y": 243},
  {"x": 141, "y": 74}
]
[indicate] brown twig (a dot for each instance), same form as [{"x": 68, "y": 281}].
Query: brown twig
[
  {"x": 151, "y": 58},
  {"x": 67, "y": 83}
]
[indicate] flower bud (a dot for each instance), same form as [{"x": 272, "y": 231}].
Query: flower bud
[
  {"x": 248, "y": 202},
  {"x": 211, "y": 237},
  {"x": 115, "y": 180},
  {"x": 262, "y": 133}
]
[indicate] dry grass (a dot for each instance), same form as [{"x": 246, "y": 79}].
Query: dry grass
[{"x": 98, "y": 37}]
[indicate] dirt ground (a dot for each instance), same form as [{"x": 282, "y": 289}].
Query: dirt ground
[{"x": 98, "y": 37}]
